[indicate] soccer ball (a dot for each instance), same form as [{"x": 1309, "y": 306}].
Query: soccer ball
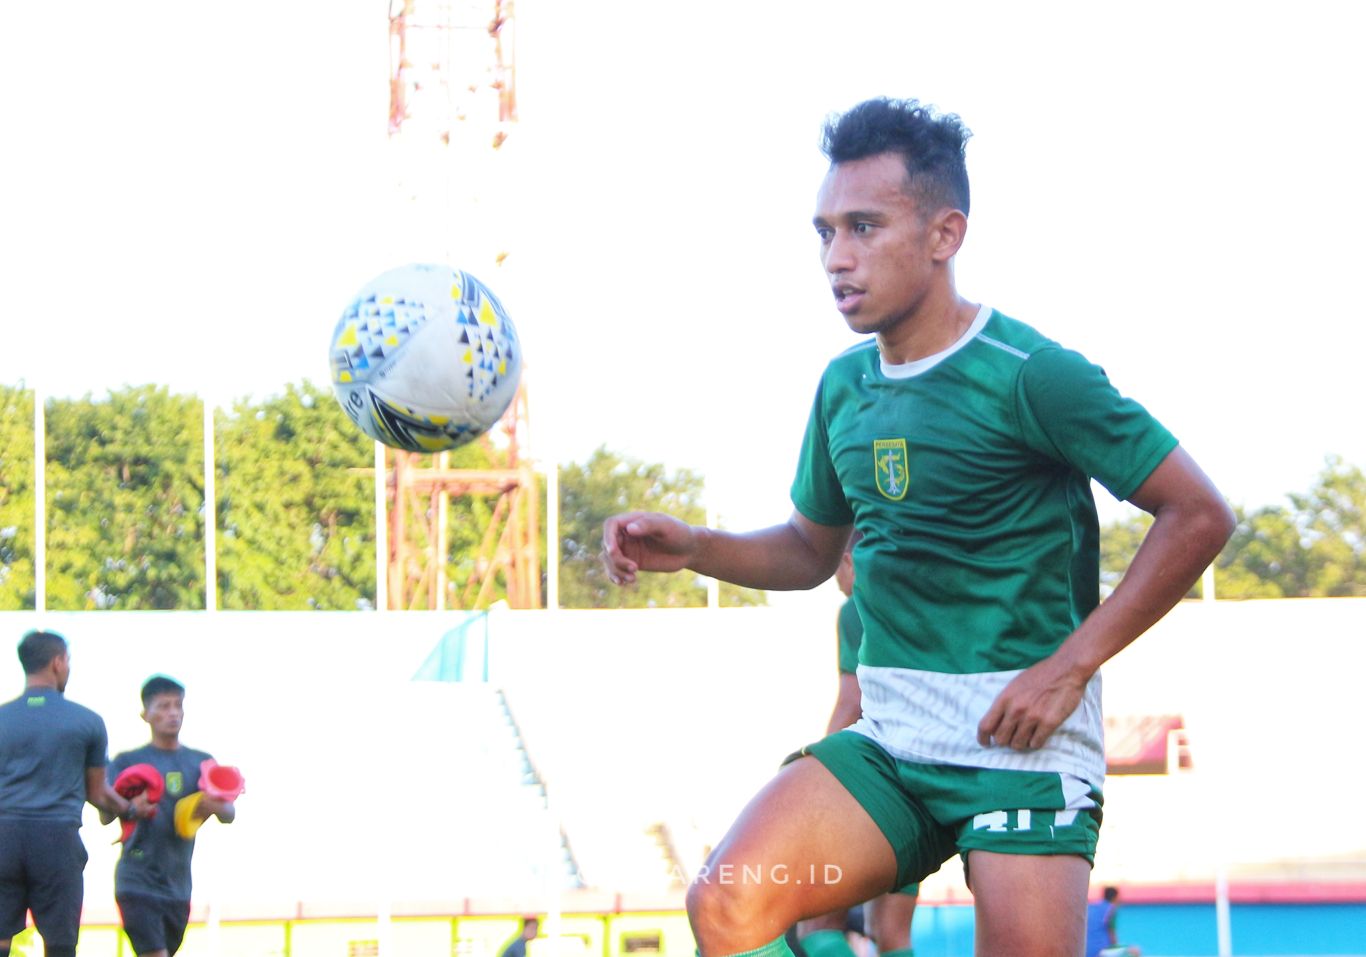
[{"x": 425, "y": 358}]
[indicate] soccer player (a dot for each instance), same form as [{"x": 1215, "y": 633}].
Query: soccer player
[
  {"x": 887, "y": 918},
  {"x": 152, "y": 882},
  {"x": 52, "y": 758},
  {"x": 961, "y": 443}
]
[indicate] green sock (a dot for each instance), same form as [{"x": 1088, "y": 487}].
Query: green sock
[
  {"x": 904, "y": 952},
  {"x": 826, "y": 943},
  {"x": 777, "y": 948}
]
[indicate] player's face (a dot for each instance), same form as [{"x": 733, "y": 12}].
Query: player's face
[
  {"x": 63, "y": 669},
  {"x": 875, "y": 245},
  {"x": 165, "y": 713}
]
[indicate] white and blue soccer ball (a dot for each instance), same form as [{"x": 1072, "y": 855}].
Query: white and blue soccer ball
[{"x": 425, "y": 358}]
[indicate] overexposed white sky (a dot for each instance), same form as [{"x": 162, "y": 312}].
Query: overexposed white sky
[{"x": 192, "y": 192}]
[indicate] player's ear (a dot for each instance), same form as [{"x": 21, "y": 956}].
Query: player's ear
[{"x": 947, "y": 231}]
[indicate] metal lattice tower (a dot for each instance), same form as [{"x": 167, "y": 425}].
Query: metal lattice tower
[{"x": 452, "y": 107}]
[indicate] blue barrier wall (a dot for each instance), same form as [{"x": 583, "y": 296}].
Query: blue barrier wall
[{"x": 1185, "y": 930}]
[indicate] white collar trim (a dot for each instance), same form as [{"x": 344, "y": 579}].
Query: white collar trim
[{"x": 907, "y": 370}]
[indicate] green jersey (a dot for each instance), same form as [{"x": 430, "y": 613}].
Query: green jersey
[
  {"x": 968, "y": 473},
  {"x": 850, "y": 630}
]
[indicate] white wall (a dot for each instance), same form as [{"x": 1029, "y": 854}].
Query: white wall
[{"x": 679, "y": 716}]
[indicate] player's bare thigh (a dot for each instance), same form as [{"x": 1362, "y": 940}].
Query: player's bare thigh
[
  {"x": 803, "y": 846},
  {"x": 1029, "y": 905}
]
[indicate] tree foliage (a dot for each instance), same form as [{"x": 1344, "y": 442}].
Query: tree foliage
[
  {"x": 294, "y": 509},
  {"x": 296, "y": 512},
  {"x": 125, "y": 501},
  {"x": 16, "y": 498},
  {"x": 603, "y": 486},
  {"x": 1313, "y": 548}
]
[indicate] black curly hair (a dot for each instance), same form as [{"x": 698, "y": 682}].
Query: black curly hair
[{"x": 932, "y": 144}]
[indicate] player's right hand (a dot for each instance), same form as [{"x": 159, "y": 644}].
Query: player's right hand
[
  {"x": 645, "y": 542},
  {"x": 210, "y": 806}
]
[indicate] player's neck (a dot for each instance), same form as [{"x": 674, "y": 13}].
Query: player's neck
[
  {"x": 936, "y": 324},
  {"x": 163, "y": 742}
]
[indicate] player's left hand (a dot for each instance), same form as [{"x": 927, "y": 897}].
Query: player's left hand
[
  {"x": 142, "y": 807},
  {"x": 1031, "y": 707}
]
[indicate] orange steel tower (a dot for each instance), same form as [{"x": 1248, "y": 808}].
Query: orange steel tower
[{"x": 452, "y": 106}]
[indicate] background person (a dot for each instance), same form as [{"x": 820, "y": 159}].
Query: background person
[
  {"x": 1102, "y": 936},
  {"x": 517, "y": 946},
  {"x": 52, "y": 758},
  {"x": 152, "y": 880}
]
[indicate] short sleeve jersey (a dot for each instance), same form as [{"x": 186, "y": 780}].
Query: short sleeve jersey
[
  {"x": 850, "y": 629},
  {"x": 46, "y": 745},
  {"x": 971, "y": 485},
  {"x": 156, "y": 861},
  {"x": 968, "y": 474}
]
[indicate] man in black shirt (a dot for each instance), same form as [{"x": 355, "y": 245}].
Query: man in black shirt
[{"x": 52, "y": 758}]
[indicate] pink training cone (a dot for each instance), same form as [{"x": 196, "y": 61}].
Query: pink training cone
[{"x": 222, "y": 782}]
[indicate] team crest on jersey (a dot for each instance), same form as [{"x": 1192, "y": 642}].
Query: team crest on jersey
[
  {"x": 175, "y": 782},
  {"x": 889, "y": 468}
]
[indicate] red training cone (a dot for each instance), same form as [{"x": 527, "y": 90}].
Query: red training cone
[{"x": 222, "y": 782}]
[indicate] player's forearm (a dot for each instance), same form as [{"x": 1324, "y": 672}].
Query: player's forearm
[
  {"x": 1184, "y": 538},
  {"x": 842, "y": 717},
  {"x": 109, "y": 804},
  {"x": 779, "y": 558},
  {"x": 848, "y": 704}
]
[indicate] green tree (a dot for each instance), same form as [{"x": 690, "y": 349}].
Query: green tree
[
  {"x": 296, "y": 516},
  {"x": 125, "y": 501},
  {"x": 1314, "y": 548},
  {"x": 609, "y": 483},
  {"x": 1264, "y": 558},
  {"x": 16, "y": 498},
  {"x": 1333, "y": 517}
]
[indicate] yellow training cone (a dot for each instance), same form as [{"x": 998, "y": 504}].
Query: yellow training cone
[{"x": 187, "y": 819}]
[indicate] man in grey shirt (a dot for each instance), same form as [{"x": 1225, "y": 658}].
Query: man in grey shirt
[
  {"x": 152, "y": 884},
  {"x": 52, "y": 758}
]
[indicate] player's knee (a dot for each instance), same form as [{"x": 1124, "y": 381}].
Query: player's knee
[{"x": 719, "y": 910}]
